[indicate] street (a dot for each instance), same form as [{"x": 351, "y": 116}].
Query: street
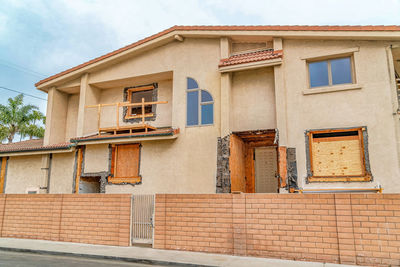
[{"x": 22, "y": 259}]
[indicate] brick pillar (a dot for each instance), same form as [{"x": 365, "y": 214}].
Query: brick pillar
[
  {"x": 125, "y": 210},
  {"x": 159, "y": 222},
  {"x": 2, "y": 210},
  {"x": 344, "y": 224},
  {"x": 239, "y": 224},
  {"x": 56, "y": 212}
]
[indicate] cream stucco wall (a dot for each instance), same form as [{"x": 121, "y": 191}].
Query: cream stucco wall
[
  {"x": 23, "y": 172},
  {"x": 72, "y": 117},
  {"x": 369, "y": 106},
  {"x": 188, "y": 164},
  {"x": 62, "y": 173},
  {"x": 96, "y": 158},
  {"x": 253, "y": 100}
]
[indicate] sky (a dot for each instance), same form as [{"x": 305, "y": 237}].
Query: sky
[{"x": 40, "y": 38}]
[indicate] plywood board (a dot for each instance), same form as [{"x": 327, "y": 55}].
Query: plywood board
[
  {"x": 337, "y": 157},
  {"x": 2, "y": 173},
  {"x": 265, "y": 170},
  {"x": 250, "y": 178},
  {"x": 127, "y": 161},
  {"x": 237, "y": 165}
]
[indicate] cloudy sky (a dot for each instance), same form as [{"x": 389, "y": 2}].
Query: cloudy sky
[{"x": 41, "y": 38}]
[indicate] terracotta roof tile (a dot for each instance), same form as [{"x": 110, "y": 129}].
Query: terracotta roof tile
[
  {"x": 161, "y": 131},
  {"x": 226, "y": 28},
  {"x": 249, "y": 57},
  {"x": 31, "y": 145}
]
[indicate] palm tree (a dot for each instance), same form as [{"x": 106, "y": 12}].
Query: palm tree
[
  {"x": 31, "y": 128},
  {"x": 19, "y": 118}
]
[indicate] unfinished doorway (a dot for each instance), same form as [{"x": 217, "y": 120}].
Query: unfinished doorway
[
  {"x": 89, "y": 185},
  {"x": 265, "y": 167},
  {"x": 253, "y": 162}
]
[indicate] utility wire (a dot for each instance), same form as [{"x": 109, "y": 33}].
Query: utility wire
[
  {"x": 12, "y": 90},
  {"x": 21, "y": 68}
]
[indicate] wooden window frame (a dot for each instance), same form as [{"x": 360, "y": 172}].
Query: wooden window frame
[
  {"x": 123, "y": 180},
  {"x": 328, "y": 60},
  {"x": 364, "y": 177},
  {"x": 129, "y": 93}
]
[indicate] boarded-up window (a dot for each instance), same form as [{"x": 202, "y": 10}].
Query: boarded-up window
[
  {"x": 337, "y": 155},
  {"x": 125, "y": 164}
]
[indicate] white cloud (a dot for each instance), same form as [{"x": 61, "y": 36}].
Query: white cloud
[{"x": 313, "y": 12}]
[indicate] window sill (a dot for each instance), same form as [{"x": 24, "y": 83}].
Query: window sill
[
  {"x": 128, "y": 180},
  {"x": 330, "y": 89},
  {"x": 366, "y": 178}
]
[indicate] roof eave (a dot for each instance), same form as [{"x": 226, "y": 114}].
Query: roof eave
[
  {"x": 251, "y": 65},
  {"x": 168, "y": 35},
  {"x": 28, "y": 152}
]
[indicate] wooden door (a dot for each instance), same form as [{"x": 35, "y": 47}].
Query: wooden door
[{"x": 237, "y": 164}]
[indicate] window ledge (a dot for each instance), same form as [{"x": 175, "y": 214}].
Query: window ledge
[
  {"x": 366, "y": 178},
  {"x": 330, "y": 89}
]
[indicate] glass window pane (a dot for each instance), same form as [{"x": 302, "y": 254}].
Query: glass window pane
[
  {"x": 192, "y": 108},
  {"x": 192, "y": 84},
  {"x": 205, "y": 96},
  {"x": 341, "y": 70},
  {"x": 207, "y": 114},
  {"x": 318, "y": 73}
]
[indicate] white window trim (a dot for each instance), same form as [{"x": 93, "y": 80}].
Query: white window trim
[
  {"x": 351, "y": 52},
  {"x": 199, "y": 107}
]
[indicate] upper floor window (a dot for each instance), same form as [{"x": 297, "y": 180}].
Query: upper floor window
[
  {"x": 135, "y": 95},
  {"x": 330, "y": 72},
  {"x": 200, "y": 105}
]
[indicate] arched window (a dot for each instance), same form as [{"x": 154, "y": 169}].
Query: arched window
[{"x": 200, "y": 105}]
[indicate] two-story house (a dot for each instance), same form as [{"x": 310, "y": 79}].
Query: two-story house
[{"x": 206, "y": 109}]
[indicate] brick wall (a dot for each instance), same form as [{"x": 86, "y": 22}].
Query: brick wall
[
  {"x": 359, "y": 229},
  {"x": 83, "y": 218}
]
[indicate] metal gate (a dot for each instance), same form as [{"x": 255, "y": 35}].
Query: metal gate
[{"x": 142, "y": 219}]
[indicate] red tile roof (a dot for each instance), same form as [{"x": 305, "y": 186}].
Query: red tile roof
[
  {"x": 158, "y": 132},
  {"x": 31, "y": 145},
  {"x": 225, "y": 28},
  {"x": 249, "y": 57}
]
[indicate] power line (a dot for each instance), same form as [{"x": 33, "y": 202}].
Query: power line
[
  {"x": 21, "y": 68},
  {"x": 12, "y": 90}
]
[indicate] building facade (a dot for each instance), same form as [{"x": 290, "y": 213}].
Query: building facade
[{"x": 219, "y": 109}]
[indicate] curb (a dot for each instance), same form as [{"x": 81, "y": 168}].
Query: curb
[{"x": 104, "y": 257}]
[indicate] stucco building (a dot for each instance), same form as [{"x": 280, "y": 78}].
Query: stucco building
[{"x": 206, "y": 109}]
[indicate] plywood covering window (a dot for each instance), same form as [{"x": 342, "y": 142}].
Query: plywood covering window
[
  {"x": 135, "y": 95},
  {"x": 337, "y": 155},
  {"x": 125, "y": 164}
]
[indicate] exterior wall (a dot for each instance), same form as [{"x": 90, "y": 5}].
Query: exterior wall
[
  {"x": 72, "y": 117},
  {"x": 56, "y": 117},
  {"x": 62, "y": 173},
  {"x": 334, "y": 228},
  {"x": 253, "y": 100},
  {"x": 23, "y": 172},
  {"x": 93, "y": 219},
  {"x": 96, "y": 158},
  {"x": 369, "y": 106},
  {"x": 187, "y": 164}
]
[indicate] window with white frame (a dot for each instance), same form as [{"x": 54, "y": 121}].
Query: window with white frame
[
  {"x": 200, "y": 105},
  {"x": 331, "y": 72}
]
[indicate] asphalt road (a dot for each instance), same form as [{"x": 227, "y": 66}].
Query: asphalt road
[{"x": 22, "y": 259}]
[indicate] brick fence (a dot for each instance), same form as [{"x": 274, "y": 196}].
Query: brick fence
[
  {"x": 91, "y": 218},
  {"x": 359, "y": 229}
]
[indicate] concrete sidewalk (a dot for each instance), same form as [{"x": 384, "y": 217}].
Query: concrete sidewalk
[{"x": 146, "y": 255}]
